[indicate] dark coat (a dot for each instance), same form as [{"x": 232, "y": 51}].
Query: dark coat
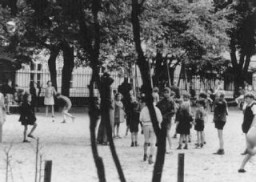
[{"x": 27, "y": 114}]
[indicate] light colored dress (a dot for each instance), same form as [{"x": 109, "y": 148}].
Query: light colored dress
[{"x": 49, "y": 93}]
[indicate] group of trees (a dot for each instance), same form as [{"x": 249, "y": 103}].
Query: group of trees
[{"x": 155, "y": 35}]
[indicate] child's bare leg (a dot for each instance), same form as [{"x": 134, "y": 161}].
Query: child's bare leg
[
  {"x": 169, "y": 138},
  {"x": 25, "y": 133},
  {"x": 203, "y": 137},
  {"x": 246, "y": 159},
  {"x": 33, "y": 129},
  {"x": 197, "y": 135},
  {"x": 221, "y": 142},
  {"x": 52, "y": 111},
  {"x": 117, "y": 130},
  {"x": 46, "y": 111}
]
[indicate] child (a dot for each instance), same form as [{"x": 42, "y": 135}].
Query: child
[
  {"x": 167, "y": 108},
  {"x": 249, "y": 126},
  {"x": 65, "y": 104},
  {"x": 27, "y": 117},
  {"x": 155, "y": 95},
  {"x": 220, "y": 118},
  {"x": 119, "y": 114},
  {"x": 184, "y": 119},
  {"x": 134, "y": 122},
  {"x": 148, "y": 130},
  {"x": 186, "y": 103},
  {"x": 49, "y": 99},
  {"x": 199, "y": 122}
]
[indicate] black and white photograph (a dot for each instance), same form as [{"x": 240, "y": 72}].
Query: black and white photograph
[{"x": 127, "y": 90}]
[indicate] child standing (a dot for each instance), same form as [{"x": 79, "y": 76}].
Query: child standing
[
  {"x": 148, "y": 131},
  {"x": 199, "y": 122},
  {"x": 184, "y": 120},
  {"x": 167, "y": 108},
  {"x": 134, "y": 122},
  {"x": 220, "y": 118},
  {"x": 27, "y": 117},
  {"x": 49, "y": 98},
  {"x": 119, "y": 114}
]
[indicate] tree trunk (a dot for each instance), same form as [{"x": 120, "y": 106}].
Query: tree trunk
[
  {"x": 52, "y": 65},
  {"x": 68, "y": 59},
  {"x": 145, "y": 73}
]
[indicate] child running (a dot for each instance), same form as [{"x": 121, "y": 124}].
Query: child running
[
  {"x": 148, "y": 130},
  {"x": 27, "y": 117},
  {"x": 119, "y": 114},
  {"x": 199, "y": 123},
  {"x": 220, "y": 118},
  {"x": 65, "y": 104}
]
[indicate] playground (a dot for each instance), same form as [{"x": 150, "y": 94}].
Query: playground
[{"x": 68, "y": 146}]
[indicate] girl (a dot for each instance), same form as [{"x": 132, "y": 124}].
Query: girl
[
  {"x": 250, "y": 119},
  {"x": 119, "y": 114},
  {"x": 134, "y": 122},
  {"x": 199, "y": 122},
  {"x": 184, "y": 119},
  {"x": 220, "y": 118},
  {"x": 148, "y": 131},
  {"x": 27, "y": 117},
  {"x": 49, "y": 99}
]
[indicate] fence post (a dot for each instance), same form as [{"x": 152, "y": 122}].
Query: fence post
[
  {"x": 48, "y": 171},
  {"x": 181, "y": 167}
]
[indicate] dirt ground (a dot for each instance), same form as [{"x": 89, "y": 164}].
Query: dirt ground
[{"x": 68, "y": 146}]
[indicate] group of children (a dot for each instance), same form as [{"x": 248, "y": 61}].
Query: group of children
[
  {"x": 27, "y": 110},
  {"x": 170, "y": 108}
]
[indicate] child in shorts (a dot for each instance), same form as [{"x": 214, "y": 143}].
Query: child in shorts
[
  {"x": 148, "y": 131},
  {"x": 220, "y": 118},
  {"x": 199, "y": 122}
]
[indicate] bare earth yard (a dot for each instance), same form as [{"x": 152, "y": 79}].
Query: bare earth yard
[{"x": 68, "y": 146}]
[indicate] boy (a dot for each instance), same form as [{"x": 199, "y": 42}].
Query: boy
[
  {"x": 167, "y": 108},
  {"x": 65, "y": 104}
]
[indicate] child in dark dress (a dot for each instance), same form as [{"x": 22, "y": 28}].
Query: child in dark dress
[
  {"x": 220, "y": 118},
  {"x": 27, "y": 117},
  {"x": 184, "y": 120},
  {"x": 134, "y": 122}
]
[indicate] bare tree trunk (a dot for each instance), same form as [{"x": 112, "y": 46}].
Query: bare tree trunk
[
  {"x": 68, "y": 57},
  {"x": 145, "y": 72},
  {"x": 54, "y": 52}
]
